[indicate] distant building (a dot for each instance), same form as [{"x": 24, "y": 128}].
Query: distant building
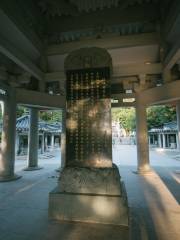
[
  {"x": 117, "y": 130},
  {"x": 49, "y": 135},
  {"x": 119, "y": 135},
  {"x": 165, "y": 136}
]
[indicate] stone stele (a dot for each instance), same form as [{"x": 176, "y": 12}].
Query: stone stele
[{"x": 89, "y": 188}]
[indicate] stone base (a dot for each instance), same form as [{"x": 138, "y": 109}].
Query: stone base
[
  {"x": 146, "y": 171},
  {"x": 10, "y": 178},
  {"x": 93, "y": 195},
  {"x": 32, "y": 168}
]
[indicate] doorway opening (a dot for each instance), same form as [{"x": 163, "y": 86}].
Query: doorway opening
[
  {"x": 124, "y": 136},
  {"x": 162, "y": 134},
  {"x": 49, "y": 137}
]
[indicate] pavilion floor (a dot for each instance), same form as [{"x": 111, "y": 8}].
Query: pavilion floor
[{"x": 153, "y": 202}]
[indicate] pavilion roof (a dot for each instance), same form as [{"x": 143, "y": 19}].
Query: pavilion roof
[
  {"x": 22, "y": 124},
  {"x": 167, "y": 127}
]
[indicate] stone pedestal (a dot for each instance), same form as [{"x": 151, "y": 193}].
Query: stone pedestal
[
  {"x": 89, "y": 188},
  {"x": 94, "y": 195}
]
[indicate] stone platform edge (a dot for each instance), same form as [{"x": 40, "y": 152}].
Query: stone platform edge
[{"x": 101, "y": 198}]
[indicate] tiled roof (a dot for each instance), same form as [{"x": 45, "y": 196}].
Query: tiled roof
[
  {"x": 171, "y": 126},
  {"x": 167, "y": 127},
  {"x": 22, "y": 124}
]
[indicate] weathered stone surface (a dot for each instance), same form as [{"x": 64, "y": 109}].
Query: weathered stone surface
[
  {"x": 9, "y": 178},
  {"x": 89, "y": 188},
  {"x": 90, "y": 180},
  {"x": 88, "y": 123},
  {"x": 89, "y": 195},
  {"x": 88, "y": 58},
  {"x": 88, "y": 208}
]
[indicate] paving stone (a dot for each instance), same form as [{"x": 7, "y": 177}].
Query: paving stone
[{"x": 153, "y": 201}]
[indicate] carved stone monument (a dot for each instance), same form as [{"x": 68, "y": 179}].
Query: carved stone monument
[{"x": 89, "y": 188}]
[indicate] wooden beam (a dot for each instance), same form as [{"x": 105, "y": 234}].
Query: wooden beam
[
  {"x": 137, "y": 69},
  {"x": 123, "y": 95},
  {"x": 118, "y": 71},
  {"x": 164, "y": 94},
  {"x": 105, "y": 17},
  {"x": 171, "y": 21},
  {"x": 55, "y": 76},
  {"x": 169, "y": 92},
  {"x": 19, "y": 58},
  {"x": 172, "y": 57},
  {"x": 110, "y": 42},
  {"x": 120, "y": 98},
  {"x": 122, "y": 105},
  {"x": 39, "y": 99},
  {"x": 15, "y": 27}
]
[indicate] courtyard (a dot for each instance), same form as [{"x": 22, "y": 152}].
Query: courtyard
[
  {"x": 153, "y": 201},
  {"x": 86, "y": 60}
]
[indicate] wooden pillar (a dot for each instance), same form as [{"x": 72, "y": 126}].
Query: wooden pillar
[
  {"x": 33, "y": 142},
  {"x": 142, "y": 137},
  {"x": 7, "y": 154}
]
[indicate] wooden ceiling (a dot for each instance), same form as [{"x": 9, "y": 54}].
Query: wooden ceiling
[
  {"x": 67, "y": 21},
  {"x": 76, "y": 7}
]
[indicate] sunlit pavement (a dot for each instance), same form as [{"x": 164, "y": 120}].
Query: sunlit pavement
[
  {"x": 49, "y": 160},
  {"x": 153, "y": 201},
  {"x": 24, "y": 208}
]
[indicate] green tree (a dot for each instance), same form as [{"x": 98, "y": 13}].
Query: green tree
[
  {"x": 46, "y": 115},
  {"x": 21, "y": 110},
  {"x": 51, "y": 116},
  {"x": 158, "y": 115},
  {"x": 126, "y": 117}
]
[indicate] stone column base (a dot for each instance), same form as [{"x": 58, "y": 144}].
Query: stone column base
[
  {"x": 9, "y": 178},
  {"x": 32, "y": 168},
  {"x": 93, "y": 195},
  {"x": 144, "y": 171}
]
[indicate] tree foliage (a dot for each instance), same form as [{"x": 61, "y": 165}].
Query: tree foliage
[
  {"x": 126, "y": 117},
  {"x": 46, "y": 115},
  {"x": 21, "y": 111},
  {"x": 51, "y": 116},
  {"x": 156, "y": 116}
]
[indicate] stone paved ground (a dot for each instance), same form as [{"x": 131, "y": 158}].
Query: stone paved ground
[
  {"x": 153, "y": 202},
  {"x": 153, "y": 199},
  {"x": 24, "y": 209}
]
